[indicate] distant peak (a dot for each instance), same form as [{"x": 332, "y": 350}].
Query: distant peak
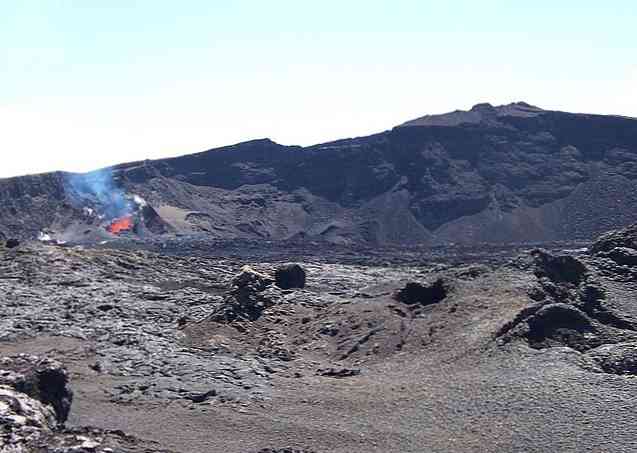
[
  {"x": 259, "y": 141},
  {"x": 525, "y": 105},
  {"x": 254, "y": 142},
  {"x": 505, "y": 108},
  {"x": 480, "y": 113},
  {"x": 482, "y": 107}
]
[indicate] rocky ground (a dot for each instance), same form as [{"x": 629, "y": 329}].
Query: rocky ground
[{"x": 132, "y": 350}]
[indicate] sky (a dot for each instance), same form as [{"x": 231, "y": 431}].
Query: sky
[{"x": 87, "y": 83}]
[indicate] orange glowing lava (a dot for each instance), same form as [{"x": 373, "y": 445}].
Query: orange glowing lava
[{"x": 122, "y": 224}]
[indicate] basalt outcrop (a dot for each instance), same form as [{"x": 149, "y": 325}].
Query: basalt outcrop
[{"x": 35, "y": 399}]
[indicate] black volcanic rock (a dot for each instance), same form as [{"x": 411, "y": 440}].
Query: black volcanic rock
[
  {"x": 35, "y": 400},
  {"x": 43, "y": 379},
  {"x": 12, "y": 243},
  {"x": 415, "y": 293},
  {"x": 558, "y": 268},
  {"x": 290, "y": 276},
  {"x": 560, "y": 324},
  {"x": 491, "y": 174}
]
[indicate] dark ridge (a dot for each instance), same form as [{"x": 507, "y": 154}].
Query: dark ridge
[{"x": 500, "y": 174}]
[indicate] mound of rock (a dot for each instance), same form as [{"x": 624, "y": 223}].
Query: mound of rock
[
  {"x": 561, "y": 325},
  {"x": 249, "y": 278},
  {"x": 558, "y": 268},
  {"x": 624, "y": 238},
  {"x": 250, "y": 294},
  {"x": 570, "y": 309}
]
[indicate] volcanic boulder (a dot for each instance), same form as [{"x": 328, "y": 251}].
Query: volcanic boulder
[
  {"x": 43, "y": 379},
  {"x": 34, "y": 403},
  {"x": 22, "y": 417},
  {"x": 558, "y": 268},
  {"x": 560, "y": 325},
  {"x": 290, "y": 276}
]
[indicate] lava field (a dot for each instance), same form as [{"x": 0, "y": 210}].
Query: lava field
[{"x": 116, "y": 348}]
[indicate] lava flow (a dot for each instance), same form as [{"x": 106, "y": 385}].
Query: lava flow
[{"x": 121, "y": 224}]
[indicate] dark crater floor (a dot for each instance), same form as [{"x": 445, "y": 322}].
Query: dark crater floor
[{"x": 210, "y": 348}]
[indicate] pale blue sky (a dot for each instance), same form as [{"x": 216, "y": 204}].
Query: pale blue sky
[{"x": 85, "y": 84}]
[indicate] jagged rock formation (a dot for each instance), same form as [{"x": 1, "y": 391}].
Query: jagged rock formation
[
  {"x": 585, "y": 304},
  {"x": 490, "y": 174},
  {"x": 35, "y": 400},
  {"x": 621, "y": 241}
]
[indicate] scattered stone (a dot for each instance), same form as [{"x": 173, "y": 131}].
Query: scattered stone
[
  {"x": 616, "y": 358},
  {"x": 621, "y": 255},
  {"x": 329, "y": 329},
  {"x": 283, "y": 450},
  {"x": 12, "y": 243},
  {"x": 201, "y": 397},
  {"x": 338, "y": 372},
  {"x": 290, "y": 276}
]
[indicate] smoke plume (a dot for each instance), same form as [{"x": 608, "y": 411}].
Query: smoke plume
[{"x": 98, "y": 189}]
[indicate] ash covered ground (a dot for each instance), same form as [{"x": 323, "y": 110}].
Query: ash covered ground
[{"x": 177, "y": 346}]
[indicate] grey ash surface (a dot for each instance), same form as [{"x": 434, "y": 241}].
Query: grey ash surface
[{"x": 532, "y": 353}]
